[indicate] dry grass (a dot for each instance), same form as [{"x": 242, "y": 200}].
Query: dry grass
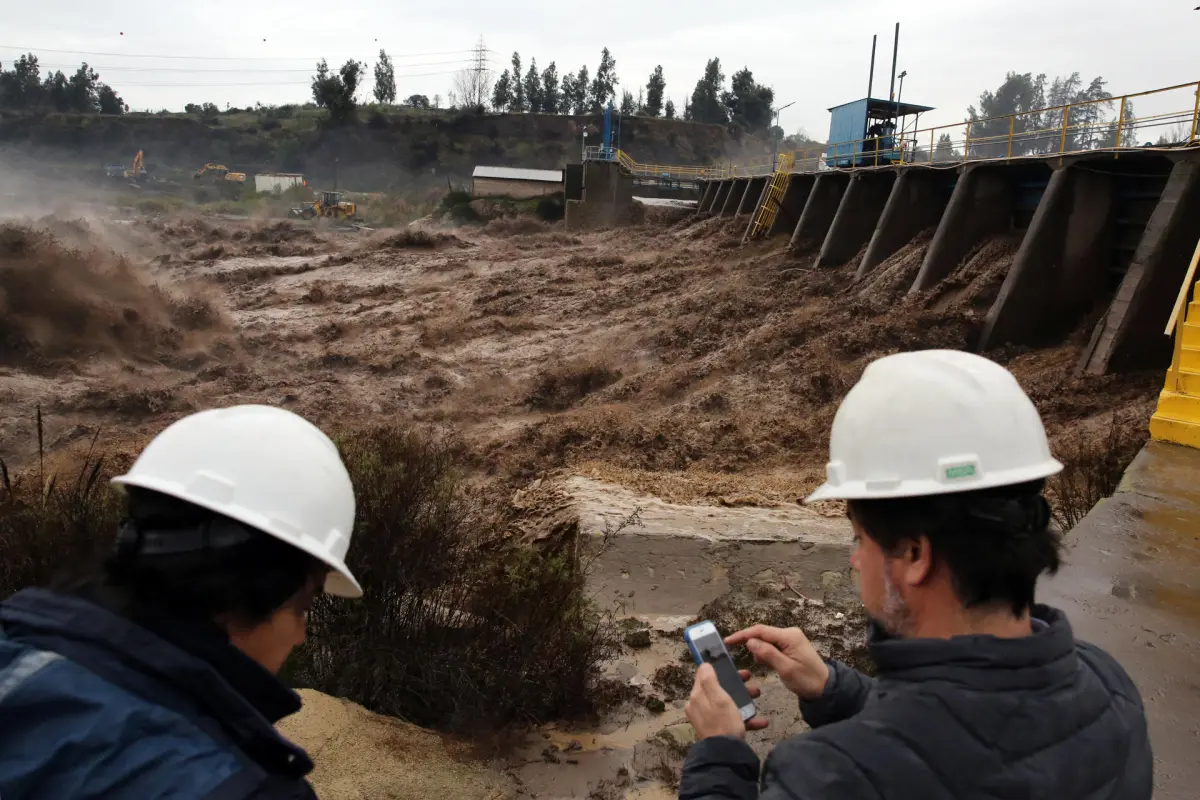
[{"x": 1092, "y": 467}]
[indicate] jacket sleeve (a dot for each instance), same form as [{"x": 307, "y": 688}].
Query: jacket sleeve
[
  {"x": 720, "y": 767},
  {"x": 845, "y": 694},
  {"x": 807, "y": 768},
  {"x": 803, "y": 768}
]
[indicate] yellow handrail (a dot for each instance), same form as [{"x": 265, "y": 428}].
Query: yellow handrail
[{"x": 1184, "y": 291}]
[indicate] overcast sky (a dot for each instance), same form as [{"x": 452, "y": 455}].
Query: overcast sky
[{"x": 816, "y": 54}]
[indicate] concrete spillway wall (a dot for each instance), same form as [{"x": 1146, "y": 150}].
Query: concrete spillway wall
[{"x": 1096, "y": 234}]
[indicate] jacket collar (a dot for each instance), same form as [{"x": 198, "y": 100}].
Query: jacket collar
[
  {"x": 983, "y": 662},
  {"x": 193, "y": 666}
]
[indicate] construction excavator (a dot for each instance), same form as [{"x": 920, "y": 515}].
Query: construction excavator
[
  {"x": 135, "y": 174},
  {"x": 326, "y": 204},
  {"x": 219, "y": 172}
]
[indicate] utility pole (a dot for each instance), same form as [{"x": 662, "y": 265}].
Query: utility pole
[
  {"x": 335, "y": 173},
  {"x": 775, "y": 137}
]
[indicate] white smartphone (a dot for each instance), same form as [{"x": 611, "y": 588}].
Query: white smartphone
[{"x": 708, "y": 647}]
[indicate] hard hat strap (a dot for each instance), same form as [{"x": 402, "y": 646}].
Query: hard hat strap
[{"x": 213, "y": 534}]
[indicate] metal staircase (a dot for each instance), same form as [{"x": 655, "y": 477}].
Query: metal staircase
[
  {"x": 1177, "y": 418},
  {"x": 771, "y": 200}
]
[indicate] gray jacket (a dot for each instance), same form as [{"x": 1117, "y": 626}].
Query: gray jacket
[{"x": 971, "y": 717}]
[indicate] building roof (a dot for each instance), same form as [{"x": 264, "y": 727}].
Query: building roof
[
  {"x": 518, "y": 174},
  {"x": 878, "y": 106}
]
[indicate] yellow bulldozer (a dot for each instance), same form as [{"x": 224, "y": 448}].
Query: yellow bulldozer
[
  {"x": 326, "y": 204},
  {"x": 219, "y": 172}
]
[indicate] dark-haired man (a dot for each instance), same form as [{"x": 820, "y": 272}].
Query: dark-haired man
[{"x": 981, "y": 693}]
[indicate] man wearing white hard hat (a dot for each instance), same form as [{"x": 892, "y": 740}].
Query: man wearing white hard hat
[
  {"x": 980, "y": 692},
  {"x": 154, "y": 675}
]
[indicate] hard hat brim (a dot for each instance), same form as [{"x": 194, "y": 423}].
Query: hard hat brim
[
  {"x": 862, "y": 490},
  {"x": 340, "y": 582}
]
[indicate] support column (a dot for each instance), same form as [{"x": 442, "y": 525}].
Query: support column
[
  {"x": 819, "y": 210},
  {"x": 719, "y": 198},
  {"x": 794, "y": 198},
  {"x": 1059, "y": 271},
  {"x": 752, "y": 196},
  {"x": 916, "y": 203},
  {"x": 856, "y": 217},
  {"x": 980, "y": 206},
  {"x": 734, "y": 196},
  {"x": 706, "y": 197},
  {"x": 1130, "y": 335}
]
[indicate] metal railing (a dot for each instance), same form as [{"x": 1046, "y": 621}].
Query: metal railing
[{"x": 1108, "y": 125}]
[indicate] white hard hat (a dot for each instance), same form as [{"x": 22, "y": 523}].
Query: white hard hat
[
  {"x": 933, "y": 422},
  {"x": 264, "y": 467}
]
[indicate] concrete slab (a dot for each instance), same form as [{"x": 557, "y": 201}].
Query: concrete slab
[
  {"x": 1132, "y": 586},
  {"x": 682, "y": 557}
]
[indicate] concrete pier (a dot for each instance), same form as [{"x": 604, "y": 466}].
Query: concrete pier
[
  {"x": 819, "y": 210},
  {"x": 737, "y": 188},
  {"x": 1059, "y": 271},
  {"x": 706, "y": 197},
  {"x": 856, "y": 217},
  {"x": 794, "y": 198},
  {"x": 752, "y": 196},
  {"x": 980, "y": 206},
  {"x": 1131, "y": 333},
  {"x": 917, "y": 202}
]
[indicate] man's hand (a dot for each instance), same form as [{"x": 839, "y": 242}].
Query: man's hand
[
  {"x": 790, "y": 654},
  {"x": 712, "y": 711}
]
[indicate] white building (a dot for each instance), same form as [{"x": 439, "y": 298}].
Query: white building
[
  {"x": 516, "y": 183},
  {"x": 277, "y": 182}
]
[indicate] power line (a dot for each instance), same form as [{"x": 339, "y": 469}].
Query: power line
[
  {"x": 100, "y": 68},
  {"x": 123, "y": 84},
  {"x": 36, "y": 50}
]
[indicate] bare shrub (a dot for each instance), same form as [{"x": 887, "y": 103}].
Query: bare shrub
[
  {"x": 460, "y": 627},
  {"x": 560, "y": 386},
  {"x": 1092, "y": 467},
  {"x": 49, "y": 522}
]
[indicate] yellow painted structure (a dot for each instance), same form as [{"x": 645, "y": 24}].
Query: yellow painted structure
[{"x": 1177, "y": 418}]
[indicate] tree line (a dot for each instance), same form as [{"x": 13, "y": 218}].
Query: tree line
[{"x": 22, "y": 88}]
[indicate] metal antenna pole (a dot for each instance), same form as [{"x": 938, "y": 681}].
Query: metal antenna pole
[
  {"x": 895, "y": 53},
  {"x": 871, "y": 80}
]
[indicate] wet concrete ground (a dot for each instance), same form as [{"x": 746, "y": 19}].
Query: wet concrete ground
[{"x": 1132, "y": 586}]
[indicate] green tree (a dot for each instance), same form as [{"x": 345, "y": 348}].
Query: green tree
[
  {"x": 669, "y": 109},
  {"x": 21, "y": 86},
  {"x": 628, "y": 106},
  {"x": 604, "y": 86},
  {"x": 385, "y": 80},
  {"x": 748, "y": 103},
  {"x": 944, "y": 149},
  {"x": 502, "y": 92},
  {"x": 654, "y": 92},
  {"x": 110, "y": 102},
  {"x": 533, "y": 87},
  {"x": 706, "y": 105},
  {"x": 551, "y": 99},
  {"x": 566, "y": 94},
  {"x": 336, "y": 93},
  {"x": 516, "y": 102},
  {"x": 579, "y": 95},
  {"x": 1024, "y": 97},
  {"x": 418, "y": 101}
]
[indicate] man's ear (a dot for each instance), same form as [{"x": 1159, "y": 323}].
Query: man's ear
[{"x": 917, "y": 555}]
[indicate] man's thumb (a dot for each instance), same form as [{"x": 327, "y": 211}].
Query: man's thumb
[{"x": 765, "y": 653}]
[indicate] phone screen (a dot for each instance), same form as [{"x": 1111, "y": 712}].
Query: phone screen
[{"x": 711, "y": 649}]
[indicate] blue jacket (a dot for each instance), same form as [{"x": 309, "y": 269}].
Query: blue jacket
[
  {"x": 93, "y": 705},
  {"x": 1043, "y": 716}
]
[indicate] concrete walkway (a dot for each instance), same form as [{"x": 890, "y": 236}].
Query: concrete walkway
[{"x": 1132, "y": 586}]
